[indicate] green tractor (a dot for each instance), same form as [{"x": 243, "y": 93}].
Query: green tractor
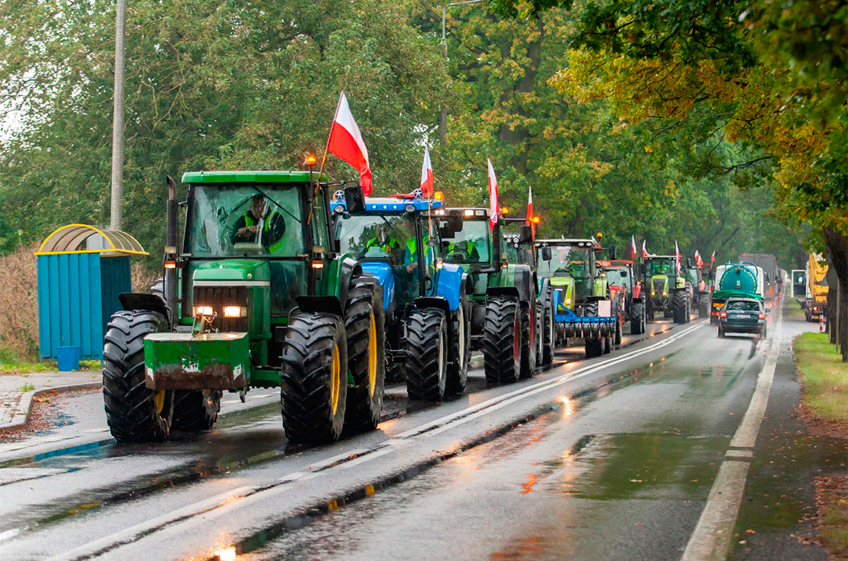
[
  {"x": 582, "y": 300},
  {"x": 257, "y": 295},
  {"x": 668, "y": 291},
  {"x": 517, "y": 251},
  {"x": 503, "y": 295}
]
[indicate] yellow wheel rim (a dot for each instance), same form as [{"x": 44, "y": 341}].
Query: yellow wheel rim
[
  {"x": 159, "y": 401},
  {"x": 335, "y": 380},
  {"x": 372, "y": 356}
]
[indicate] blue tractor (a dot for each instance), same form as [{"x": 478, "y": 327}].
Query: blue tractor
[{"x": 427, "y": 319}]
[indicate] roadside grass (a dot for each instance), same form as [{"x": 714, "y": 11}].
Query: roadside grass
[
  {"x": 12, "y": 363},
  {"x": 793, "y": 308},
  {"x": 824, "y": 377}
]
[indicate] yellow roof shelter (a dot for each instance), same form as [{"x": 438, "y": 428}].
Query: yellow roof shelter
[{"x": 68, "y": 238}]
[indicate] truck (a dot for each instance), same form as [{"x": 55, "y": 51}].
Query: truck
[
  {"x": 799, "y": 284},
  {"x": 768, "y": 263},
  {"x": 735, "y": 279},
  {"x": 584, "y": 308},
  {"x": 502, "y": 295},
  {"x": 396, "y": 240},
  {"x": 258, "y": 294},
  {"x": 668, "y": 290},
  {"x": 815, "y": 304}
]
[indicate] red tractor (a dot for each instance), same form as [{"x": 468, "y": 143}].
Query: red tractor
[{"x": 623, "y": 285}]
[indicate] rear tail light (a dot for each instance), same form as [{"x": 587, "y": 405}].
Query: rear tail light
[
  {"x": 724, "y": 314},
  {"x": 762, "y": 316}
]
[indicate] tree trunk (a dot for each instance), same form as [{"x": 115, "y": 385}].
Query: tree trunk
[{"x": 836, "y": 248}]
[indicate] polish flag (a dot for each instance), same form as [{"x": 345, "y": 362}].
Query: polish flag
[
  {"x": 529, "y": 205},
  {"x": 698, "y": 259},
  {"x": 633, "y": 248},
  {"x": 494, "y": 208},
  {"x": 712, "y": 259},
  {"x": 677, "y": 256},
  {"x": 427, "y": 176},
  {"x": 645, "y": 253},
  {"x": 346, "y": 142}
]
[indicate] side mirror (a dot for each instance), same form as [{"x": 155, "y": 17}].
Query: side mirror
[
  {"x": 768, "y": 310},
  {"x": 525, "y": 234},
  {"x": 547, "y": 254},
  {"x": 354, "y": 199},
  {"x": 451, "y": 223},
  {"x": 446, "y": 234},
  {"x": 612, "y": 252}
]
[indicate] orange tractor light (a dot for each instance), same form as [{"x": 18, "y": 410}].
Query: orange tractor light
[
  {"x": 438, "y": 196},
  {"x": 311, "y": 160}
]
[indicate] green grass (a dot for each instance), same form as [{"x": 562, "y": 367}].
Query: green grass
[
  {"x": 25, "y": 388},
  {"x": 824, "y": 376},
  {"x": 11, "y": 363},
  {"x": 793, "y": 308},
  {"x": 834, "y": 531}
]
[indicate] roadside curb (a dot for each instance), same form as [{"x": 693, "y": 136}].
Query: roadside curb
[{"x": 24, "y": 408}]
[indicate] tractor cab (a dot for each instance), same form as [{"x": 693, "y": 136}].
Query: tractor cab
[{"x": 572, "y": 268}]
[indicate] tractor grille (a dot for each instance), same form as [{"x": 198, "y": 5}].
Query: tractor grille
[
  {"x": 218, "y": 297},
  {"x": 659, "y": 285}
]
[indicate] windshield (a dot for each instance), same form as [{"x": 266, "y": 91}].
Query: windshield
[
  {"x": 660, "y": 267},
  {"x": 618, "y": 277},
  {"x": 471, "y": 245},
  {"x": 743, "y": 305},
  {"x": 225, "y": 220},
  {"x": 377, "y": 236},
  {"x": 567, "y": 259}
]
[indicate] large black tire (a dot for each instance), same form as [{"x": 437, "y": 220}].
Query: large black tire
[
  {"x": 548, "y": 336},
  {"x": 678, "y": 306},
  {"x": 133, "y": 412},
  {"x": 502, "y": 340},
  {"x": 617, "y": 335},
  {"x": 196, "y": 410},
  {"x": 426, "y": 354},
  {"x": 366, "y": 354},
  {"x": 607, "y": 344},
  {"x": 528, "y": 341},
  {"x": 594, "y": 347},
  {"x": 313, "y": 389},
  {"x": 460, "y": 350},
  {"x": 637, "y": 318},
  {"x": 704, "y": 305}
]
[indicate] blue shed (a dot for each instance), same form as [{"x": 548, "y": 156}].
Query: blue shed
[{"x": 81, "y": 271}]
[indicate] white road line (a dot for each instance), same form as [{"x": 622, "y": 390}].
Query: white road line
[{"x": 711, "y": 538}]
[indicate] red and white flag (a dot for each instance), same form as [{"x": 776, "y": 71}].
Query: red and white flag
[
  {"x": 698, "y": 259},
  {"x": 494, "y": 208},
  {"x": 677, "y": 255},
  {"x": 346, "y": 142},
  {"x": 633, "y": 248},
  {"x": 529, "y": 205},
  {"x": 712, "y": 259},
  {"x": 427, "y": 176},
  {"x": 645, "y": 253}
]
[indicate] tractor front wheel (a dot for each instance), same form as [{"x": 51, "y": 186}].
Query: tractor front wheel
[
  {"x": 426, "y": 354},
  {"x": 637, "y": 318},
  {"x": 528, "y": 342},
  {"x": 313, "y": 389},
  {"x": 196, "y": 410},
  {"x": 134, "y": 412},
  {"x": 366, "y": 354},
  {"x": 678, "y": 306},
  {"x": 502, "y": 340},
  {"x": 460, "y": 350}
]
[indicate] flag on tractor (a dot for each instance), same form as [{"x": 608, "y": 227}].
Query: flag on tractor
[
  {"x": 677, "y": 256},
  {"x": 698, "y": 260},
  {"x": 427, "y": 176},
  {"x": 633, "y": 248},
  {"x": 645, "y": 253},
  {"x": 529, "y": 205},
  {"x": 346, "y": 142},
  {"x": 494, "y": 209},
  {"x": 712, "y": 259}
]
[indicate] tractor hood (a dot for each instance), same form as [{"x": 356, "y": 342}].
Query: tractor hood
[
  {"x": 237, "y": 271},
  {"x": 385, "y": 276},
  {"x": 659, "y": 285}
]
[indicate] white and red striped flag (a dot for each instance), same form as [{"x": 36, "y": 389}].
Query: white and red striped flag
[
  {"x": 712, "y": 259},
  {"x": 494, "y": 208},
  {"x": 427, "y": 176},
  {"x": 677, "y": 256},
  {"x": 633, "y": 248},
  {"x": 645, "y": 253},
  {"x": 529, "y": 205},
  {"x": 698, "y": 260},
  {"x": 346, "y": 142}
]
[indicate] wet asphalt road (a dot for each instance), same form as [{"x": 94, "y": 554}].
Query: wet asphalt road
[{"x": 610, "y": 458}]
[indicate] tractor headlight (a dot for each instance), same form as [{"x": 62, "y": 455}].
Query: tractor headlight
[
  {"x": 665, "y": 292},
  {"x": 339, "y": 209},
  {"x": 203, "y": 310},
  {"x": 235, "y": 312}
]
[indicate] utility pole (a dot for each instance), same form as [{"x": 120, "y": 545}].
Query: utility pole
[
  {"x": 443, "y": 117},
  {"x": 118, "y": 117}
]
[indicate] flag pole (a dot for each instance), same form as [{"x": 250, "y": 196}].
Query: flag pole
[{"x": 324, "y": 157}]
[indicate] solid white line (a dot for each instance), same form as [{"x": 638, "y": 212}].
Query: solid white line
[{"x": 711, "y": 538}]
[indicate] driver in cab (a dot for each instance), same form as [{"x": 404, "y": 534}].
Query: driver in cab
[
  {"x": 260, "y": 219},
  {"x": 383, "y": 243}
]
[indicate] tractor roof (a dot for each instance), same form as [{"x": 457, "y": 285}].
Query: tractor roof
[
  {"x": 582, "y": 243},
  {"x": 661, "y": 257},
  {"x": 248, "y": 177},
  {"x": 390, "y": 204},
  {"x": 470, "y": 213}
]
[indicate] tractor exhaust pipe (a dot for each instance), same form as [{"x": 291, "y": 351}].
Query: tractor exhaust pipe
[{"x": 171, "y": 247}]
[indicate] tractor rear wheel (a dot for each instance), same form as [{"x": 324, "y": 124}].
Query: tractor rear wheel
[
  {"x": 313, "y": 388},
  {"x": 134, "y": 412},
  {"x": 460, "y": 350},
  {"x": 678, "y": 306},
  {"x": 366, "y": 354},
  {"x": 502, "y": 340},
  {"x": 594, "y": 347},
  {"x": 637, "y": 318},
  {"x": 528, "y": 342},
  {"x": 426, "y": 354},
  {"x": 704, "y": 305},
  {"x": 196, "y": 410},
  {"x": 548, "y": 336}
]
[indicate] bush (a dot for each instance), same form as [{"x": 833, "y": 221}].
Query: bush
[{"x": 19, "y": 305}]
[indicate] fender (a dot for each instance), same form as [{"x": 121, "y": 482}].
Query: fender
[
  {"x": 151, "y": 302},
  {"x": 320, "y": 305},
  {"x": 450, "y": 280},
  {"x": 349, "y": 268},
  {"x": 434, "y": 302},
  {"x": 386, "y": 277},
  {"x": 524, "y": 283},
  {"x": 503, "y": 291}
]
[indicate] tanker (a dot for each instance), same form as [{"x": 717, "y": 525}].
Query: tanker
[
  {"x": 736, "y": 279},
  {"x": 768, "y": 263}
]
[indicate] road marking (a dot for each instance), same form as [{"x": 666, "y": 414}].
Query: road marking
[{"x": 711, "y": 538}]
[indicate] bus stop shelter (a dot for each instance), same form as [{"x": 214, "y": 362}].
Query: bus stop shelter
[{"x": 81, "y": 271}]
